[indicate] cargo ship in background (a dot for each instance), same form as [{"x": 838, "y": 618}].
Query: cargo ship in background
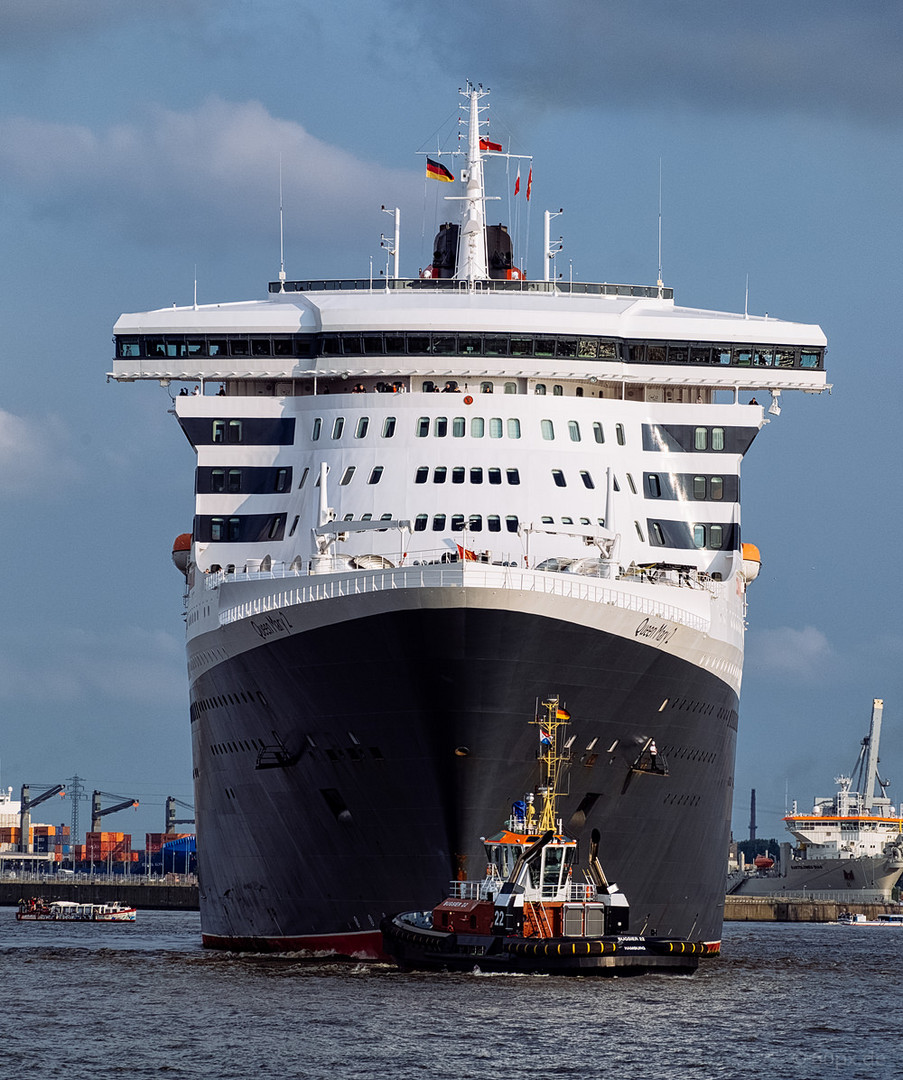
[
  {"x": 425, "y": 503},
  {"x": 849, "y": 848}
]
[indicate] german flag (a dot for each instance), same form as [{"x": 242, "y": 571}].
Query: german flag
[
  {"x": 562, "y": 714},
  {"x": 435, "y": 171}
]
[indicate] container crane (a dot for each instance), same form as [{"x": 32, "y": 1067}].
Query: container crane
[
  {"x": 25, "y": 812},
  {"x": 97, "y": 813}
]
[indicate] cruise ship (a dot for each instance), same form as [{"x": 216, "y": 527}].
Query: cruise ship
[{"x": 424, "y": 504}]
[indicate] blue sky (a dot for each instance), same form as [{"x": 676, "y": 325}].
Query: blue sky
[{"x": 140, "y": 144}]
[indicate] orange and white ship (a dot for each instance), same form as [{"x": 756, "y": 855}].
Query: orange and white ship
[{"x": 849, "y": 847}]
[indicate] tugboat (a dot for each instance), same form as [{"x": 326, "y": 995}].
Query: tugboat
[{"x": 529, "y": 914}]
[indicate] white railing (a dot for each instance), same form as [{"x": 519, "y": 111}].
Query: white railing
[
  {"x": 573, "y": 891},
  {"x": 314, "y": 588}
]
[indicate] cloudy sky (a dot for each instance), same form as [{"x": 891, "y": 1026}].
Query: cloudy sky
[{"x": 140, "y": 146}]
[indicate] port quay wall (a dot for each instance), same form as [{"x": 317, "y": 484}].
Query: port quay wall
[
  {"x": 764, "y": 909},
  {"x": 146, "y": 895}
]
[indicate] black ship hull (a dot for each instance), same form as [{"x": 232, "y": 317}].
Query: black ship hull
[{"x": 346, "y": 772}]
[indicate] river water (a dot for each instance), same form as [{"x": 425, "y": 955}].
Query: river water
[{"x": 794, "y": 1001}]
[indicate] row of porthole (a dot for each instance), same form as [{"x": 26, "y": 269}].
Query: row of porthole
[{"x": 440, "y": 426}]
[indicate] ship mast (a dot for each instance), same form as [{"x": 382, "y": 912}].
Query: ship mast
[
  {"x": 473, "y": 263},
  {"x": 553, "y": 761}
]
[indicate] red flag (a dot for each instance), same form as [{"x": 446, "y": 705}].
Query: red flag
[
  {"x": 529, "y": 183},
  {"x": 517, "y": 181},
  {"x": 485, "y": 144}
]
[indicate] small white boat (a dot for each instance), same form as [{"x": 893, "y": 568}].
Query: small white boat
[
  {"x": 36, "y": 910},
  {"x": 849, "y": 919}
]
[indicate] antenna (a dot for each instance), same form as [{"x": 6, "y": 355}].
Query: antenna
[
  {"x": 281, "y": 231},
  {"x": 195, "y": 286},
  {"x": 746, "y": 300},
  {"x": 660, "y": 282}
]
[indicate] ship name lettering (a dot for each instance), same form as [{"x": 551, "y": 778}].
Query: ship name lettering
[
  {"x": 655, "y": 631},
  {"x": 273, "y": 624}
]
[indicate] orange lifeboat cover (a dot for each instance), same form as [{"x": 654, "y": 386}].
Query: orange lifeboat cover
[
  {"x": 751, "y": 553},
  {"x": 182, "y": 542},
  {"x": 763, "y": 862}
]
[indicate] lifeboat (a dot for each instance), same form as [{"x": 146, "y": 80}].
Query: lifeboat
[
  {"x": 763, "y": 862},
  {"x": 181, "y": 552},
  {"x": 752, "y": 563}
]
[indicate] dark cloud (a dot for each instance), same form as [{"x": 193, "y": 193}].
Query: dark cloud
[
  {"x": 826, "y": 58},
  {"x": 24, "y": 23}
]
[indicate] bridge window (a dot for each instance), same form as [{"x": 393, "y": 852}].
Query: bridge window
[
  {"x": 459, "y": 427},
  {"x": 698, "y": 487},
  {"x": 654, "y": 485},
  {"x": 388, "y": 427},
  {"x": 457, "y": 523},
  {"x": 511, "y": 523},
  {"x": 540, "y": 389},
  {"x": 422, "y": 474},
  {"x": 619, "y": 434},
  {"x": 375, "y": 474},
  {"x": 716, "y": 488},
  {"x": 439, "y": 474},
  {"x": 495, "y": 427},
  {"x": 475, "y": 523},
  {"x": 280, "y": 482},
  {"x": 558, "y": 477},
  {"x": 717, "y": 438},
  {"x": 303, "y": 478},
  {"x": 510, "y": 387},
  {"x": 219, "y": 431},
  {"x": 362, "y": 426},
  {"x": 598, "y": 433},
  {"x": 558, "y": 390},
  {"x": 477, "y": 427},
  {"x": 701, "y": 439},
  {"x": 587, "y": 479},
  {"x": 513, "y": 476},
  {"x": 458, "y": 473},
  {"x": 438, "y": 522},
  {"x": 574, "y": 430},
  {"x": 476, "y": 475},
  {"x": 494, "y": 523},
  {"x": 495, "y": 476},
  {"x": 548, "y": 429},
  {"x": 420, "y": 522},
  {"x": 423, "y": 427},
  {"x": 338, "y": 427},
  {"x": 486, "y": 387},
  {"x": 316, "y": 429},
  {"x": 513, "y": 428},
  {"x": 440, "y": 427}
]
